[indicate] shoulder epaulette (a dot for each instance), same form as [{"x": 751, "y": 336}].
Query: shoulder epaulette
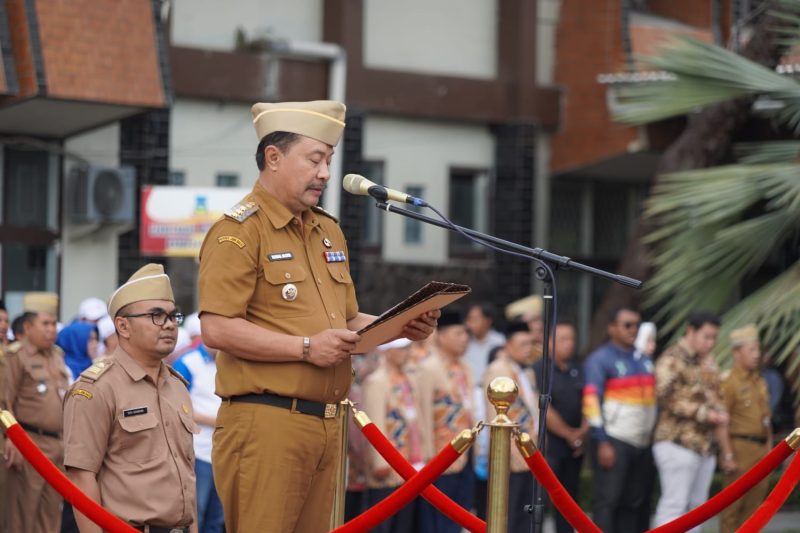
[
  {"x": 178, "y": 375},
  {"x": 725, "y": 375},
  {"x": 94, "y": 372},
  {"x": 13, "y": 347},
  {"x": 321, "y": 211},
  {"x": 241, "y": 211}
]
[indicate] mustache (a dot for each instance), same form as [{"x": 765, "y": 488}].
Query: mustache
[{"x": 321, "y": 187}]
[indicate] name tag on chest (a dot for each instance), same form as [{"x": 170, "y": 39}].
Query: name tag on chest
[
  {"x": 283, "y": 256},
  {"x": 136, "y": 411}
]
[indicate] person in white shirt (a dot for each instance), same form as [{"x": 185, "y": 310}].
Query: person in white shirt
[
  {"x": 199, "y": 368},
  {"x": 482, "y": 338}
]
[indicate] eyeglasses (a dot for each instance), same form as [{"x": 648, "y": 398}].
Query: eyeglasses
[
  {"x": 630, "y": 325},
  {"x": 159, "y": 318}
]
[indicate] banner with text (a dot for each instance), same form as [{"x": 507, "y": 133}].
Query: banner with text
[{"x": 175, "y": 219}]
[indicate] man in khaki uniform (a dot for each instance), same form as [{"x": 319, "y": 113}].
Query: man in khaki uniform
[
  {"x": 277, "y": 300},
  {"x": 36, "y": 381},
  {"x": 128, "y": 419},
  {"x": 746, "y": 399}
]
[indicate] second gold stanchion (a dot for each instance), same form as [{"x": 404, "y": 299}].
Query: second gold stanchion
[{"x": 502, "y": 393}]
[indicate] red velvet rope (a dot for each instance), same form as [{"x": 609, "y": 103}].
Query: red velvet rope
[
  {"x": 437, "y": 498},
  {"x": 775, "y": 500},
  {"x": 403, "y": 495},
  {"x": 730, "y": 494},
  {"x": 63, "y": 485},
  {"x": 562, "y": 499}
]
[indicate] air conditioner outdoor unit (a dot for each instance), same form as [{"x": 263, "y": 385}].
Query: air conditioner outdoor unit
[{"x": 102, "y": 195}]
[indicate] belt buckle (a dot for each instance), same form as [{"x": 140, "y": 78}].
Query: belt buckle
[
  {"x": 293, "y": 408},
  {"x": 330, "y": 410}
]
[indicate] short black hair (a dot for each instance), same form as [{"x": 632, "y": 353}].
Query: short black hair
[
  {"x": 612, "y": 316},
  {"x": 486, "y": 309},
  {"x": 699, "y": 318},
  {"x": 281, "y": 140},
  {"x": 3, "y": 305},
  {"x": 18, "y": 324}
]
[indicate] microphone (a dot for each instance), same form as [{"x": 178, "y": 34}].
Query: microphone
[{"x": 355, "y": 184}]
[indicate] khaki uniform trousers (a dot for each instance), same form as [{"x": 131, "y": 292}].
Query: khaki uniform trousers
[
  {"x": 274, "y": 470},
  {"x": 33, "y": 505},
  {"x": 747, "y": 454}
]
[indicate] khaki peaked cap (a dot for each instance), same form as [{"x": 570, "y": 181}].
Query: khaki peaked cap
[
  {"x": 322, "y": 120},
  {"x": 148, "y": 283}
]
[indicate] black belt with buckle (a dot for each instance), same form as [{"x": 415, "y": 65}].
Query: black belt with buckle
[
  {"x": 751, "y": 438},
  {"x": 295, "y": 405},
  {"x": 159, "y": 529},
  {"x": 39, "y": 431}
]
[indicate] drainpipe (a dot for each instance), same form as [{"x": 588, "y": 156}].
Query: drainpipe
[{"x": 336, "y": 56}]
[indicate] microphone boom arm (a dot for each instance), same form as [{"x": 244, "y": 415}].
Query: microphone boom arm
[{"x": 561, "y": 261}]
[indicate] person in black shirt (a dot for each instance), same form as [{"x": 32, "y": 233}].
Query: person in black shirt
[{"x": 567, "y": 430}]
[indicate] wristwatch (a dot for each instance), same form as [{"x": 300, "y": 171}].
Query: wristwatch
[{"x": 306, "y": 348}]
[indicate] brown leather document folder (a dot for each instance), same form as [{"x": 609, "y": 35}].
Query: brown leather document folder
[{"x": 389, "y": 325}]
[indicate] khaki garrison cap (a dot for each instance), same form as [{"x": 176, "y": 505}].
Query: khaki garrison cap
[
  {"x": 322, "y": 120},
  {"x": 743, "y": 335},
  {"x": 525, "y": 308},
  {"x": 148, "y": 283},
  {"x": 41, "y": 302}
]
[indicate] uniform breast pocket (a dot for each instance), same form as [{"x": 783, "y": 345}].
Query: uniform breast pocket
[
  {"x": 288, "y": 291},
  {"x": 142, "y": 439},
  {"x": 342, "y": 281}
]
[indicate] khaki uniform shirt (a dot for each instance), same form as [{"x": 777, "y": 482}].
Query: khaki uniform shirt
[
  {"x": 687, "y": 389},
  {"x": 445, "y": 397},
  {"x": 524, "y": 411},
  {"x": 747, "y": 401},
  {"x": 136, "y": 435},
  {"x": 264, "y": 268},
  {"x": 36, "y": 382}
]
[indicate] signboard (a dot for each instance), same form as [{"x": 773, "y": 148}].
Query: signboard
[{"x": 175, "y": 219}]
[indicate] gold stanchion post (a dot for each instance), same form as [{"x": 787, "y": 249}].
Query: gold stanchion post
[
  {"x": 502, "y": 392},
  {"x": 337, "y": 516}
]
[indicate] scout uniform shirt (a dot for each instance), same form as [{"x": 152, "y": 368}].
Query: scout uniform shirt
[
  {"x": 445, "y": 399},
  {"x": 36, "y": 382},
  {"x": 688, "y": 389},
  {"x": 136, "y": 436},
  {"x": 257, "y": 263},
  {"x": 392, "y": 405}
]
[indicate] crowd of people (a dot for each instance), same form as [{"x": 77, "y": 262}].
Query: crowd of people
[{"x": 674, "y": 418}]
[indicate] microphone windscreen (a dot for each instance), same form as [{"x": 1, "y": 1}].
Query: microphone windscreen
[{"x": 355, "y": 184}]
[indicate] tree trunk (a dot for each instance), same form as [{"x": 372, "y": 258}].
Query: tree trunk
[{"x": 703, "y": 143}]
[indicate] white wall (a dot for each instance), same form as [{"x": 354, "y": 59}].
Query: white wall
[
  {"x": 208, "y": 137},
  {"x": 212, "y": 24},
  {"x": 417, "y": 152},
  {"x": 88, "y": 260},
  {"x": 454, "y": 37}
]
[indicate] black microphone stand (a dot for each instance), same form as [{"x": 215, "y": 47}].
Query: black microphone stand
[{"x": 548, "y": 264}]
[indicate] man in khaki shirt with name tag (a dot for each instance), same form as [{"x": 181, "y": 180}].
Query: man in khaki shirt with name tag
[
  {"x": 36, "y": 381},
  {"x": 277, "y": 300},
  {"x": 128, "y": 424}
]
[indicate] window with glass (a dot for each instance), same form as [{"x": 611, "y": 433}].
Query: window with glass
[
  {"x": 412, "y": 229},
  {"x": 373, "y": 218},
  {"x": 469, "y": 205},
  {"x": 227, "y": 179}
]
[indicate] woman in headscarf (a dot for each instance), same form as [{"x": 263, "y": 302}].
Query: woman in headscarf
[{"x": 79, "y": 342}]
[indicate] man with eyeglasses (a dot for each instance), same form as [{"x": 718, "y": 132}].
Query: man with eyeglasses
[
  {"x": 619, "y": 403},
  {"x": 128, "y": 424}
]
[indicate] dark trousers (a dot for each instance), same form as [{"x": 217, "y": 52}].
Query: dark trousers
[
  {"x": 354, "y": 503},
  {"x": 520, "y": 494},
  {"x": 459, "y": 488},
  {"x": 402, "y": 522},
  {"x": 620, "y": 492},
  {"x": 568, "y": 471}
]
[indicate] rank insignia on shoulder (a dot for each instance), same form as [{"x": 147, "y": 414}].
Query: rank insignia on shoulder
[
  {"x": 80, "y": 392},
  {"x": 241, "y": 211},
  {"x": 230, "y": 238},
  {"x": 13, "y": 347},
  {"x": 94, "y": 372},
  {"x": 335, "y": 257},
  {"x": 321, "y": 211},
  {"x": 178, "y": 375}
]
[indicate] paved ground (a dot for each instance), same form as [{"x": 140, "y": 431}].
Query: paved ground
[{"x": 783, "y": 522}]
